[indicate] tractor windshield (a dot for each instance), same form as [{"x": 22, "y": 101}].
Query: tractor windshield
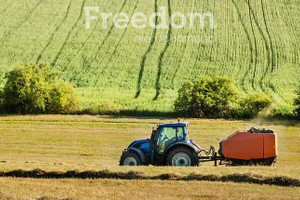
[{"x": 167, "y": 136}]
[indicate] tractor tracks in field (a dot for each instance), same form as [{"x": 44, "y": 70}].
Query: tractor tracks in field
[
  {"x": 249, "y": 42},
  {"x": 162, "y": 55},
  {"x": 68, "y": 35},
  {"x": 117, "y": 46},
  {"x": 53, "y": 33},
  {"x": 97, "y": 51},
  {"x": 183, "y": 55},
  {"x": 82, "y": 47},
  {"x": 255, "y": 46},
  {"x": 144, "y": 58},
  {"x": 269, "y": 51},
  {"x": 160, "y": 58},
  {"x": 273, "y": 56},
  {"x": 273, "y": 61}
]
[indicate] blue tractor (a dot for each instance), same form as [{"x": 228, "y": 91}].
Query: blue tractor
[{"x": 169, "y": 145}]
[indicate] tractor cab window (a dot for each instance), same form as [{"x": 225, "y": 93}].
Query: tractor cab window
[
  {"x": 180, "y": 133},
  {"x": 187, "y": 134},
  {"x": 167, "y": 136}
]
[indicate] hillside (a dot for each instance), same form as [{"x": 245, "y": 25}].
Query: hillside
[{"x": 255, "y": 42}]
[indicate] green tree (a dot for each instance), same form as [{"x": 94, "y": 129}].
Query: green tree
[
  {"x": 207, "y": 97},
  {"x": 34, "y": 89}
]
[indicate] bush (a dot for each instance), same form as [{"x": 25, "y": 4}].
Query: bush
[
  {"x": 62, "y": 99},
  {"x": 218, "y": 97},
  {"x": 34, "y": 89},
  {"x": 254, "y": 104},
  {"x": 208, "y": 97},
  {"x": 283, "y": 112},
  {"x": 26, "y": 90},
  {"x": 184, "y": 99},
  {"x": 297, "y": 104}
]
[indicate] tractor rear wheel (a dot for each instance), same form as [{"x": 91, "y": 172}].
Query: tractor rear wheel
[
  {"x": 182, "y": 157},
  {"x": 130, "y": 159}
]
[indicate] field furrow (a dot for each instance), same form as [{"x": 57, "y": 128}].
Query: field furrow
[
  {"x": 266, "y": 44},
  {"x": 180, "y": 64},
  {"x": 251, "y": 56},
  {"x": 68, "y": 35},
  {"x": 255, "y": 47},
  {"x": 143, "y": 62},
  {"x": 86, "y": 60},
  {"x": 53, "y": 33},
  {"x": 116, "y": 47},
  {"x": 273, "y": 61},
  {"x": 99, "y": 48},
  {"x": 161, "y": 56}
]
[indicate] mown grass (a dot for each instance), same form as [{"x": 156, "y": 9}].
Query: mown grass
[
  {"x": 63, "y": 142},
  {"x": 82, "y": 142},
  {"x": 255, "y": 42},
  {"x": 13, "y": 188}
]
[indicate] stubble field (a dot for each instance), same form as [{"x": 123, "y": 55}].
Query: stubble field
[{"x": 62, "y": 143}]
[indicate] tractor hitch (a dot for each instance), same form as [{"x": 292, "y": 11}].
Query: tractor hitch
[{"x": 210, "y": 155}]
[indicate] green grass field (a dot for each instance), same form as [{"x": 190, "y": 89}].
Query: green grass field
[
  {"x": 255, "y": 42},
  {"x": 62, "y": 142}
]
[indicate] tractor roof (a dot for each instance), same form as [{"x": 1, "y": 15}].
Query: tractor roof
[{"x": 180, "y": 124}]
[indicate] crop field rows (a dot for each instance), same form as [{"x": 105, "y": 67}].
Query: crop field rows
[{"x": 255, "y": 42}]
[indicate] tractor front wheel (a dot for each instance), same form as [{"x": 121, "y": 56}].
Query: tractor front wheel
[
  {"x": 130, "y": 159},
  {"x": 182, "y": 157}
]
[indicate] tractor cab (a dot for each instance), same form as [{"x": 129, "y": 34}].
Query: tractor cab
[{"x": 167, "y": 134}]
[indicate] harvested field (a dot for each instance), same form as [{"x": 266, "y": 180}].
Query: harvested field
[
  {"x": 75, "y": 189},
  {"x": 71, "y": 155}
]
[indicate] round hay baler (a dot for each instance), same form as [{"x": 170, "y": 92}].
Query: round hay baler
[{"x": 252, "y": 147}]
